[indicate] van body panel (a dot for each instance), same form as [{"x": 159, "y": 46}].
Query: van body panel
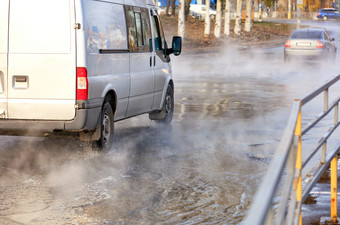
[
  {"x": 119, "y": 83},
  {"x": 112, "y": 1},
  {"x": 41, "y": 66},
  {"x": 150, "y": 2},
  {"x": 38, "y": 128},
  {"x": 42, "y": 42},
  {"x": 4, "y": 7},
  {"x": 49, "y": 35},
  {"x": 39, "y": 108},
  {"x": 162, "y": 69},
  {"x": 138, "y": 3},
  {"x": 142, "y": 84},
  {"x": 107, "y": 57},
  {"x": 80, "y": 34},
  {"x": 108, "y": 70},
  {"x": 162, "y": 79}
]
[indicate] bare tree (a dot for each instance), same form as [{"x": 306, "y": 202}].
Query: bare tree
[
  {"x": 181, "y": 21},
  {"x": 237, "y": 29},
  {"x": 187, "y": 7},
  {"x": 207, "y": 19},
  {"x": 167, "y": 7},
  {"x": 218, "y": 22},
  {"x": 249, "y": 16},
  {"x": 227, "y": 18},
  {"x": 173, "y": 7}
]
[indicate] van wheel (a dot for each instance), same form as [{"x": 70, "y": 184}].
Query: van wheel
[
  {"x": 164, "y": 116},
  {"x": 106, "y": 128},
  {"x": 168, "y": 106},
  {"x": 324, "y": 18}
]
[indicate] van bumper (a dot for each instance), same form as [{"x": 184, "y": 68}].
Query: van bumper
[{"x": 86, "y": 119}]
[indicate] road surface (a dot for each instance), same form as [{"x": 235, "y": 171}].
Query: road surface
[{"x": 231, "y": 109}]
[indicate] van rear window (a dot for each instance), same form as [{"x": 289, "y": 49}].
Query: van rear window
[{"x": 105, "y": 26}]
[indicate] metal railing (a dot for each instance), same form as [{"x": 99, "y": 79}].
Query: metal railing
[{"x": 284, "y": 180}]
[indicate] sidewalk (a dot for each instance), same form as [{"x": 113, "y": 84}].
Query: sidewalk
[{"x": 311, "y": 213}]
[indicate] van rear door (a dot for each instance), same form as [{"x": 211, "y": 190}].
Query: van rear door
[
  {"x": 4, "y": 4},
  {"x": 41, "y": 60}
]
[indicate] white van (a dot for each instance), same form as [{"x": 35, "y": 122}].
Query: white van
[{"x": 75, "y": 66}]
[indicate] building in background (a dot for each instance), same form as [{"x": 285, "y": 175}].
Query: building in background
[{"x": 162, "y": 3}]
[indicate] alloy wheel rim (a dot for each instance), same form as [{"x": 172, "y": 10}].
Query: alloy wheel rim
[
  {"x": 168, "y": 104},
  {"x": 106, "y": 129}
]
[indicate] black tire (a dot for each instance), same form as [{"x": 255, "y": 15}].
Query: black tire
[
  {"x": 106, "y": 128},
  {"x": 168, "y": 106}
]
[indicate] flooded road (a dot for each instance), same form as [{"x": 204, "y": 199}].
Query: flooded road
[{"x": 231, "y": 109}]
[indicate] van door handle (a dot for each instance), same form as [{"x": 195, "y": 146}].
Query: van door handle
[
  {"x": 20, "y": 81},
  {"x": 154, "y": 61},
  {"x": 150, "y": 61}
]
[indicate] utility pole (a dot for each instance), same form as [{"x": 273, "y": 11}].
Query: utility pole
[{"x": 289, "y": 9}]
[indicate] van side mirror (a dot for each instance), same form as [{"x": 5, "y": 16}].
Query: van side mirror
[{"x": 176, "y": 46}]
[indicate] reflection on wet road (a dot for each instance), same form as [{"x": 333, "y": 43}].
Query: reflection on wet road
[{"x": 231, "y": 109}]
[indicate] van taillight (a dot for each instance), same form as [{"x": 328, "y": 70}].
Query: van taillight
[
  {"x": 82, "y": 84},
  {"x": 287, "y": 44}
]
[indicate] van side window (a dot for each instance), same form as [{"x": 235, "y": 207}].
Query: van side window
[
  {"x": 159, "y": 39},
  {"x": 107, "y": 31},
  {"x": 146, "y": 30},
  {"x": 157, "y": 36},
  {"x": 138, "y": 19},
  {"x": 131, "y": 28},
  {"x": 139, "y": 29}
]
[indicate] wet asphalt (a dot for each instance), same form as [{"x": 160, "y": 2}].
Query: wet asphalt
[{"x": 231, "y": 108}]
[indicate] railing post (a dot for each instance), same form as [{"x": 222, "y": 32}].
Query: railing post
[
  {"x": 325, "y": 108},
  {"x": 323, "y": 153},
  {"x": 334, "y": 176},
  {"x": 334, "y": 190},
  {"x": 336, "y": 114},
  {"x": 325, "y": 100},
  {"x": 298, "y": 166}
]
